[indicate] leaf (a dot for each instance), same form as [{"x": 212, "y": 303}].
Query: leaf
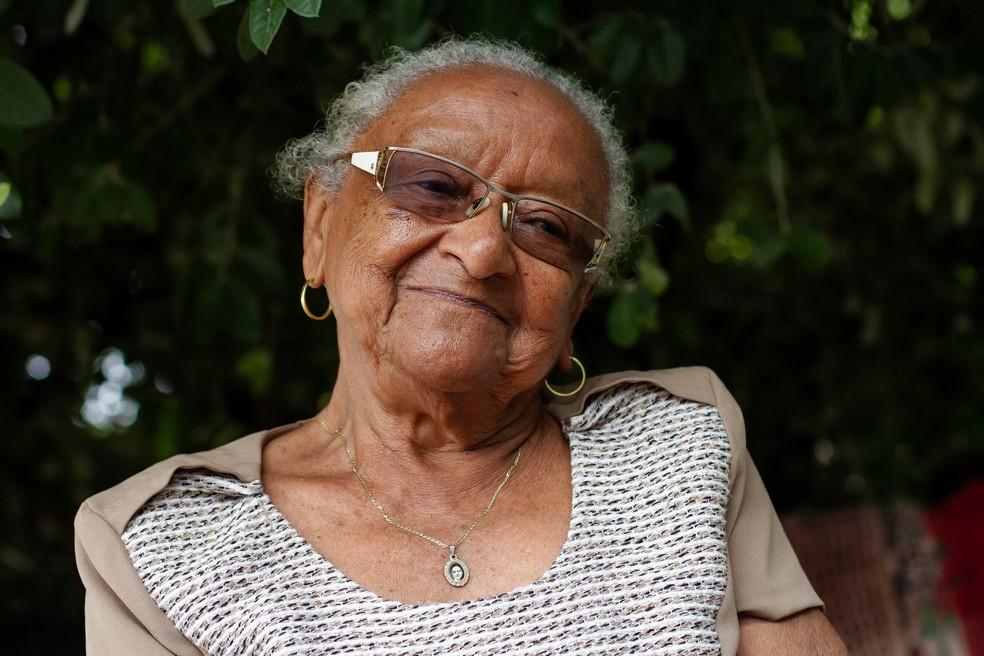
[
  {"x": 11, "y": 141},
  {"x": 196, "y": 9},
  {"x": 247, "y": 50},
  {"x": 925, "y": 192},
  {"x": 74, "y": 15},
  {"x": 665, "y": 198},
  {"x": 626, "y": 59},
  {"x": 219, "y": 3},
  {"x": 23, "y": 101},
  {"x": 305, "y": 8},
  {"x": 167, "y": 437},
  {"x": 154, "y": 57},
  {"x": 666, "y": 56},
  {"x": 655, "y": 156},
  {"x": 256, "y": 367},
  {"x": 653, "y": 277},
  {"x": 199, "y": 37},
  {"x": 776, "y": 174},
  {"x": 62, "y": 88},
  {"x": 810, "y": 246},
  {"x": 631, "y": 311},
  {"x": 899, "y": 9},
  {"x": 963, "y": 201},
  {"x": 265, "y": 17},
  {"x": 785, "y": 41},
  {"x": 417, "y": 38},
  {"x": 601, "y": 39},
  {"x": 410, "y": 24},
  {"x": 10, "y": 200},
  {"x": 12, "y": 207},
  {"x": 93, "y": 199},
  {"x": 546, "y": 12}
]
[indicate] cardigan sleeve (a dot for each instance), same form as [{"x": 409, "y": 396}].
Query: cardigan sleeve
[
  {"x": 769, "y": 581},
  {"x": 120, "y": 616},
  {"x": 764, "y": 572}
]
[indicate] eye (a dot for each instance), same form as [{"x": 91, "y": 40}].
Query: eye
[
  {"x": 436, "y": 184},
  {"x": 441, "y": 187},
  {"x": 545, "y": 223}
]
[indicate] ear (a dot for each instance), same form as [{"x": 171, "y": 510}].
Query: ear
[
  {"x": 317, "y": 218},
  {"x": 564, "y": 364},
  {"x": 584, "y": 295}
]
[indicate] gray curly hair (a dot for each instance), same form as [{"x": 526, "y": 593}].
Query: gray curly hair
[{"x": 350, "y": 114}]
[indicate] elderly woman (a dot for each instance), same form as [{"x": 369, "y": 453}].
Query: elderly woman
[{"x": 460, "y": 206}]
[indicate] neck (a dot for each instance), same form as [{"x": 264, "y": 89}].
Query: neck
[{"x": 434, "y": 452}]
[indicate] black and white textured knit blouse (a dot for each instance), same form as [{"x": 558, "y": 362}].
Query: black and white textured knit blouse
[{"x": 645, "y": 568}]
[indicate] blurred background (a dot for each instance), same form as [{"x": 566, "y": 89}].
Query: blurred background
[{"x": 809, "y": 175}]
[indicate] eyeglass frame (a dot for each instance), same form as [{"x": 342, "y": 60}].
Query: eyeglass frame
[{"x": 375, "y": 163}]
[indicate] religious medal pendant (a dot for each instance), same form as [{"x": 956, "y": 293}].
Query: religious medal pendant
[{"x": 455, "y": 570}]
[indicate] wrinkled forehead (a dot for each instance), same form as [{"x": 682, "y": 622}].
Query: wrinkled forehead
[{"x": 501, "y": 123}]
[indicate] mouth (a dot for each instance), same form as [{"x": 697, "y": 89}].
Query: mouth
[{"x": 460, "y": 300}]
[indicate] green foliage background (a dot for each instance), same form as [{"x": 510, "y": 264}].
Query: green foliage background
[{"x": 809, "y": 175}]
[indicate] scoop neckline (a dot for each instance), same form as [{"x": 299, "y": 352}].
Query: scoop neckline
[{"x": 575, "y": 522}]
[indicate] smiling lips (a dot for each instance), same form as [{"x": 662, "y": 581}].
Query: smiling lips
[{"x": 461, "y": 300}]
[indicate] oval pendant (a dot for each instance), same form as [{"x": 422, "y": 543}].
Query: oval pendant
[{"x": 456, "y": 571}]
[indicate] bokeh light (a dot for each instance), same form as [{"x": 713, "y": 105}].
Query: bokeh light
[
  {"x": 37, "y": 367},
  {"x": 106, "y": 406}
]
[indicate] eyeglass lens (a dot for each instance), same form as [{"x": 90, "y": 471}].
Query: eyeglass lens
[{"x": 440, "y": 191}]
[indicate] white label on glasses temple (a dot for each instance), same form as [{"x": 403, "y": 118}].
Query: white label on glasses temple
[{"x": 366, "y": 161}]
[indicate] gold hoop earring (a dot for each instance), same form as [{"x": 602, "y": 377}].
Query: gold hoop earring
[
  {"x": 305, "y": 307},
  {"x": 584, "y": 377}
]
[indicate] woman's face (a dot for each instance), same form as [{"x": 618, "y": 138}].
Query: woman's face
[{"x": 459, "y": 307}]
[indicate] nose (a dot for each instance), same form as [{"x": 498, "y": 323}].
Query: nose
[{"x": 480, "y": 243}]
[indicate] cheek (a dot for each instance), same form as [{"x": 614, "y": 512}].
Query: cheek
[
  {"x": 546, "y": 326},
  {"x": 374, "y": 241},
  {"x": 547, "y": 320},
  {"x": 368, "y": 251},
  {"x": 550, "y": 301}
]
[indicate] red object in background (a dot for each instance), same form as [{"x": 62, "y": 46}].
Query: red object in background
[{"x": 958, "y": 525}]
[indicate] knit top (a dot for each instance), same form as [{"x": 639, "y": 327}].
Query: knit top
[
  {"x": 643, "y": 570},
  {"x": 671, "y": 535}
]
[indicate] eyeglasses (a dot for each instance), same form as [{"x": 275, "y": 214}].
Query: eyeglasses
[{"x": 441, "y": 190}]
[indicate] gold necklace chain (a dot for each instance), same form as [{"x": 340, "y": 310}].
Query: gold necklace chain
[{"x": 455, "y": 570}]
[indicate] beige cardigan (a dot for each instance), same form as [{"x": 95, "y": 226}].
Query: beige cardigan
[{"x": 764, "y": 576}]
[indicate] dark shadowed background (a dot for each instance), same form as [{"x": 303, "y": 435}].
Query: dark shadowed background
[{"x": 809, "y": 175}]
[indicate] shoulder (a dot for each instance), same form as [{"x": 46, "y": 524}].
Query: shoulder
[
  {"x": 118, "y": 605},
  {"x": 124, "y": 534},
  {"x": 186, "y": 521},
  {"x": 112, "y": 509},
  {"x": 693, "y": 383},
  {"x": 691, "y": 387},
  {"x": 696, "y": 383}
]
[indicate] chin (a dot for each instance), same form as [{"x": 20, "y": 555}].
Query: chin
[
  {"x": 448, "y": 361},
  {"x": 446, "y": 347}
]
